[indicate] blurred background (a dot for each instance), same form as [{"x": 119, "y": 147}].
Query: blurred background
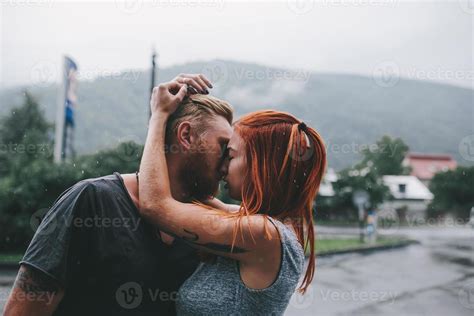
[{"x": 387, "y": 83}]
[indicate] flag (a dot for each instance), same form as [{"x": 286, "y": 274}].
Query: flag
[{"x": 65, "y": 122}]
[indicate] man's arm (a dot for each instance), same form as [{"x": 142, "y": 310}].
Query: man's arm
[{"x": 34, "y": 294}]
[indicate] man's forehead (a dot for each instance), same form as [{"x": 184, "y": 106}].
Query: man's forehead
[{"x": 221, "y": 128}]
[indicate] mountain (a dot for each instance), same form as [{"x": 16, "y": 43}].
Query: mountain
[{"x": 349, "y": 111}]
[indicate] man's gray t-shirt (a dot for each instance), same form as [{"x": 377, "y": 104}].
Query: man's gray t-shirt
[{"x": 105, "y": 256}]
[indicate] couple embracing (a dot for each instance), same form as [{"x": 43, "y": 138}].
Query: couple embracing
[{"x": 188, "y": 253}]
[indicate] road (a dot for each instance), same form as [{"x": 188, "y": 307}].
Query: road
[{"x": 435, "y": 277}]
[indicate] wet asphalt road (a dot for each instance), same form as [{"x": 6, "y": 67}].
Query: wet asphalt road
[{"x": 435, "y": 277}]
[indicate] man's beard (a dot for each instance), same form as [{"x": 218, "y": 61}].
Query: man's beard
[{"x": 198, "y": 178}]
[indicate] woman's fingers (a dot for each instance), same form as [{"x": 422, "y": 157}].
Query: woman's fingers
[
  {"x": 181, "y": 93},
  {"x": 198, "y": 82},
  {"x": 208, "y": 83}
]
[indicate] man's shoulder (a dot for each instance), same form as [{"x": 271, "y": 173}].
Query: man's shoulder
[{"x": 103, "y": 186}]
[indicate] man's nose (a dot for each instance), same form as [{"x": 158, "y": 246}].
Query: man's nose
[{"x": 224, "y": 168}]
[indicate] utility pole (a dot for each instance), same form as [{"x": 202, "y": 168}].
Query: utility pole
[{"x": 153, "y": 66}]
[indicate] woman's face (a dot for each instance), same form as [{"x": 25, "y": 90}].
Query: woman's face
[{"x": 234, "y": 167}]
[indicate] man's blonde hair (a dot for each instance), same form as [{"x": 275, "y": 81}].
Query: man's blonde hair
[{"x": 199, "y": 109}]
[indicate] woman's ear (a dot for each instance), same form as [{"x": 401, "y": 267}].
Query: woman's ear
[{"x": 183, "y": 134}]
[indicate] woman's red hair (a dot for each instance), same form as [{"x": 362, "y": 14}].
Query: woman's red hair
[{"x": 283, "y": 175}]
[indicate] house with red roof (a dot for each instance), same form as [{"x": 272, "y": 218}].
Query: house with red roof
[{"x": 425, "y": 166}]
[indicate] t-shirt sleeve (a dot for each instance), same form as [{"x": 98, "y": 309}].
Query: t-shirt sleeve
[{"x": 56, "y": 243}]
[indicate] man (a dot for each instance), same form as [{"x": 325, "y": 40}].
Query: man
[{"x": 92, "y": 253}]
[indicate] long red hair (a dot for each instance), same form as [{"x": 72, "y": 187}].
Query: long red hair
[{"x": 283, "y": 175}]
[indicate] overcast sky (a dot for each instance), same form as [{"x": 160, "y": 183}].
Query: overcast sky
[{"x": 424, "y": 40}]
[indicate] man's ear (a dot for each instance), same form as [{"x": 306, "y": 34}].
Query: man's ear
[{"x": 183, "y": 135}]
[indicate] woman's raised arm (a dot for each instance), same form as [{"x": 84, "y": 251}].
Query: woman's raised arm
[{"x": 203, "y": 227}]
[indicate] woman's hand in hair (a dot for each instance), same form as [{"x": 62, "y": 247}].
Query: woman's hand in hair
[{"x": 166, "y": 98}]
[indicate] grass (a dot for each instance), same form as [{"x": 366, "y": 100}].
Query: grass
[
  {"x": 343, "y": 244},
  {"x": 322, "y": 246},
  {"x": 10, "y": 257}
]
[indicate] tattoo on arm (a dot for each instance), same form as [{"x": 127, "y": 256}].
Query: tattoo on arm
[
  {"x": 33, "y": 281},
  {"x": 210, "y": 246},
  {"x": 194, "y": 237}
]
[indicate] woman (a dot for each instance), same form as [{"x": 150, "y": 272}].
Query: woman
[{"x": 275, "y": 164}]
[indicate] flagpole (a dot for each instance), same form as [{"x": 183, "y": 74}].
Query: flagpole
[
  {"x": 60, "y": 116},
  {"x": 153, "y": 65}
]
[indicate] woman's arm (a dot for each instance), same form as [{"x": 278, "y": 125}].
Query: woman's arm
[
  {"x": 218, "y": 204},
  {"x": 208, "y": 229}
]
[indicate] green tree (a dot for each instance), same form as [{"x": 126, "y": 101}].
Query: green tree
[
  {"x": 453, "y": 192},
  {"x": 386, "y": 156},
  {"x": 353, "y": 179},
  {"x": 25, "y": 136},
  {"x": 30, "y": 181}
]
